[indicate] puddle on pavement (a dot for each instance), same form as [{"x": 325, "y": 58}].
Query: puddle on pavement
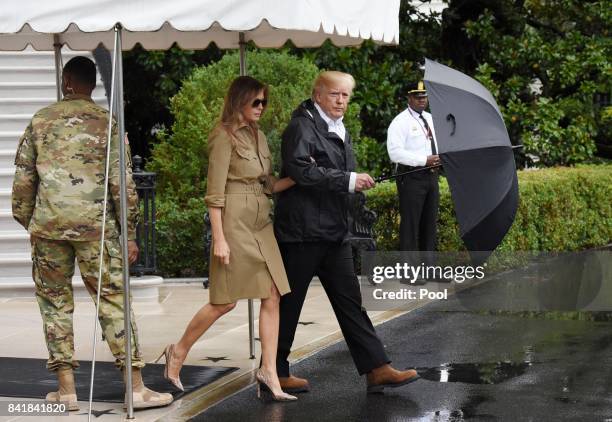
[{"x": 474, "y": 373}]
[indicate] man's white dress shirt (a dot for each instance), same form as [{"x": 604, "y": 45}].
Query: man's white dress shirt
[
  {"x": 407, "y": 141},
  {"x": 338, "y": 128}
]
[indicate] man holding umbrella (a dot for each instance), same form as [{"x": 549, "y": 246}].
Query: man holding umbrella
[{"x": 411, "y": 144}]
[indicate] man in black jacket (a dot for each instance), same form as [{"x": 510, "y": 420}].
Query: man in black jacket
[{"x": 311, "y": 223}]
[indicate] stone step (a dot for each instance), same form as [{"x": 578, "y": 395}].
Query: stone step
[
  {"x": 15, "y": 265},
  {"x": 7, "y": 222},
  {"x": 143, "y": 289},
  {"x": 27, "y": 90},
  {"x": 27, "y": 73},
  {"x": 5, "y": 197},
  {"x": 37, "y": 89},
  {"x": 31, "y": 57},
  {"x": 10, "y": 139},
  {"x": 6, "y": 177},
  {"x": 7, "y": 158},
  {"x": 32, "y": 105},
  {"x": 17, "y": 241},
  {"x": 20, "y": 265},
  {"x": 14, "y": 122}
]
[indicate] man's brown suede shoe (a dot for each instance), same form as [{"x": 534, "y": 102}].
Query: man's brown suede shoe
[
  {"x": 387, "y": 376},
  {"x": 294, "y": 385}
]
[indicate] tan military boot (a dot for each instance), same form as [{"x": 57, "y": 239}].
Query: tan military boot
[
  {"x": 143, "y": 397},
  {"x": 67, "y": 392}
]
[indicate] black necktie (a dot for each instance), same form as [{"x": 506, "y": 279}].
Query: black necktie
[{"x": 429, "y": 135}]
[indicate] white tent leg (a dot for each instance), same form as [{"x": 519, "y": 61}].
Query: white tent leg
[
  {"x": 57, "y": 47},
  {"x": 103, "y": 233},
  {"x": 243, "y": 72},
  {"x": 127, "y": 303}
]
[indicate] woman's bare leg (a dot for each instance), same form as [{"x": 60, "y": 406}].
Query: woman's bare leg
[
  {"x": 268, "y": 333},
  {"x": 198, "y": 325}
]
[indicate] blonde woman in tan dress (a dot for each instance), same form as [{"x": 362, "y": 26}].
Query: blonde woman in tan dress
[{"x": 245, "y": 260}]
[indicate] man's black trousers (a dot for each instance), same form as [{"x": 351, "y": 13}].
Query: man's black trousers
[
  {"x": 333, "y": 264},
  {"x": 419, "y": 198}
]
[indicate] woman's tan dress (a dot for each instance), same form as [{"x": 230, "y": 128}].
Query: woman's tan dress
[{"x": 238, "y": 180}]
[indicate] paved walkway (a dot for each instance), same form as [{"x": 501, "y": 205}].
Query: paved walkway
[
  {"x": 161, "y": 322},
  {"x": 475, "y": 366}
]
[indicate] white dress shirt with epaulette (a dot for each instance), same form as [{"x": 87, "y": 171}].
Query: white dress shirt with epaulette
[{"x": 407, "y": 141}]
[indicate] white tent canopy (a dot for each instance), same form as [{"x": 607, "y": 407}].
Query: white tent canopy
[{"x": 194, "y": 24}]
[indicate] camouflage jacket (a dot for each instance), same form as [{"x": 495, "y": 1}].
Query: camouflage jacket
[{"x": 58, "y": 191}]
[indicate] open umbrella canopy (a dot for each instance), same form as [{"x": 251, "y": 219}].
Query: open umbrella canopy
[
  {"x": 194, "y": 24},
  {"x": 477, "y": 156}
]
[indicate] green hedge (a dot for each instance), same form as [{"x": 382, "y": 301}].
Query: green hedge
[
  {"x": 560, "y": 209},
  {"x": 180, "y": 159},
  {"x": 180, "y": 238}
]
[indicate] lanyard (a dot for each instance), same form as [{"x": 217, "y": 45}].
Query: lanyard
[{"x": 426, "y": 131}]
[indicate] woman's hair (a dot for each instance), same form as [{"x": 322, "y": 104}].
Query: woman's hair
[{"x": 240, "y": 93}]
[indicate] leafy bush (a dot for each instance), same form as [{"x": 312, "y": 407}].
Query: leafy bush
[
  {"x": 560, "y": 209},
  {"x": 151, "y": 79},
  {"x": 180, "y": 158},
  {"x": 372, "y": 156},
  {"x": 180, "y": 238}
]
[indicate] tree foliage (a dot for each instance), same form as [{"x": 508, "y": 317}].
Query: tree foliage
[
  {"x": 383, "y": 75},
  {"x": 545, "y": 61},
  {"x": 151, "y": 79},
  {"x": 180, "y": 157}
]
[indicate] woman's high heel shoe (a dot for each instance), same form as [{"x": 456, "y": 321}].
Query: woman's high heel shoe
[
  {"x": 263, "y": 387},
  {"x": 168, "y": 354}
]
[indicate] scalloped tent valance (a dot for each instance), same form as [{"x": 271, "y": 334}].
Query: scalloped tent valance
[{"x": 194, "y": 24}]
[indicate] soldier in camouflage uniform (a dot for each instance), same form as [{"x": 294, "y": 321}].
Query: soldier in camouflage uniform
[{"x": 58, "y": 196}]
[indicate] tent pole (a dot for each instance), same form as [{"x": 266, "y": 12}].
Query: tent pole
[
  {"x": 127, "y": 308},
  {"x": 242, "y": 43},
  {"x": 243, "y": 72},
  {"x": 57, "y": 47},
  {"x": 109, "y": 132}
]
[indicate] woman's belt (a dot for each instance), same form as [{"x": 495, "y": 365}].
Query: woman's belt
[{"x": 237, "y": 187}]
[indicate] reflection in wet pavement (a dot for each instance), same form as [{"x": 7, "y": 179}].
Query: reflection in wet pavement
[
  {"x": 554, "y": 282},
  {"x": 507, "y": 363},
  {"x": 469, "y": 411},
  {"x": 474, "y": 373}
]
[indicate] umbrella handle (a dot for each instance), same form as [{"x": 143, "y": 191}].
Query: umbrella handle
[{"x": 450, "y": 117}]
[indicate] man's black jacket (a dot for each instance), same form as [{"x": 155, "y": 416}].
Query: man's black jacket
[{"x": 316, "y": 208}]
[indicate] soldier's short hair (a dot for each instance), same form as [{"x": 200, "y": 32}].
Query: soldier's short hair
[{"x": 82, "y": 69}]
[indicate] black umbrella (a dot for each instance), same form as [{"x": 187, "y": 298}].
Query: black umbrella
[{"x": 477, "y": 157}]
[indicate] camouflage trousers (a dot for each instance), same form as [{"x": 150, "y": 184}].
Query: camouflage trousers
[{"x": 52, "y": 271}]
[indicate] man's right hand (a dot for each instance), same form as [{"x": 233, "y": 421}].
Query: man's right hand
[
  {"x": 363, "y": 181},
  {"x": 432, "y": 160},
  {"x": 132, "y": 251}
]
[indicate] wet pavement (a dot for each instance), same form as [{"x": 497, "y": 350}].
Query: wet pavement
[{"x": 475, "y": 365}]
